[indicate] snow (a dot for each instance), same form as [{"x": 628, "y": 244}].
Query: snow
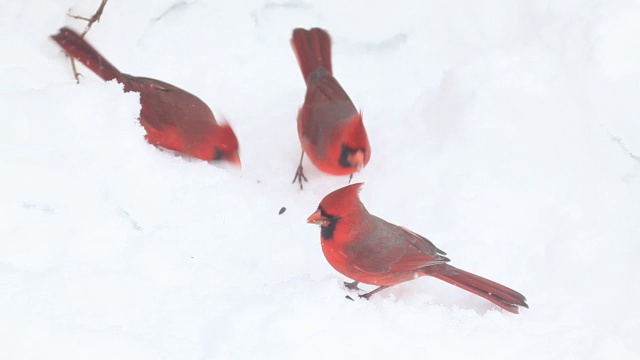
[{"x": 507, "y": 132}]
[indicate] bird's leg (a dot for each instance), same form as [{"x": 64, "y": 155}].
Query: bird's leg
[
  {"x": 90, "y": 21},
  {"x": 299, "y": 174},
  {"x": 350, "y": 177},
  {"x": 76, "y": 74},
  {"x": 352, "y": 285},
  {"x": 368, "y": 295}
]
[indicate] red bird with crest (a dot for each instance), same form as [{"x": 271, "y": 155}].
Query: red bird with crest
[
  {"x": 373, "y": 251},
  {"x": 330, "y": 128},
  {"x": 173, "y": 118}
]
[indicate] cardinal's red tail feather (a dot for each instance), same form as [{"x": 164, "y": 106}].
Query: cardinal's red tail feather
[
  {"x": 500, "y": 295},
  {"x": 74, "y": 45},
  {"x": 313, "y": 50}
]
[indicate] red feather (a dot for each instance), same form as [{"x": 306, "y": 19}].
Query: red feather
[
  {"x": 172, "y": 117},
  {"x": 330, "y": 128},
  {"x": 371, "y": 250}
]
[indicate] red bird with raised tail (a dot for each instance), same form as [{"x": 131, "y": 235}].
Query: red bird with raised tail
[
  {"x": 329, "y": 126},
  {"x": 371, "y": 250},
  {"x": 173, "y": 118}
]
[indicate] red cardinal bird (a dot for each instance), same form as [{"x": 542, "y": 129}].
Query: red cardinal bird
[
  {"x": 329, "y": 126},
  {"x": 172, "y": 117},
  {"x": 370, "y": 250}
]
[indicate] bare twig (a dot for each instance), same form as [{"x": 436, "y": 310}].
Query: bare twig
[
  {"x": 90, "y": 21},
  {"x": 94, "y": 18}
]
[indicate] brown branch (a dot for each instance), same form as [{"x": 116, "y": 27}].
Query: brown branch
[
  {"x": 90, "y": 21},
  {"x": 94, "y": 18}
]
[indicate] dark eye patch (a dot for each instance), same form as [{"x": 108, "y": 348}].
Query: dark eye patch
[
  {"x": 219, "y": 154},
  {"x": 344, "y": 155},
  {"x": 328, "y": 230}
]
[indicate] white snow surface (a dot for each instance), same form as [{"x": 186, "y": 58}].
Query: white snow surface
[{"x": 507, "y": 132}]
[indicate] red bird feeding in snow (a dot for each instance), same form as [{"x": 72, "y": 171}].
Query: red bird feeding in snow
[
  {"x": 329, "y": 126},
  {"x": 368, "y": 249},
  {"x": 173, "y": 118}
]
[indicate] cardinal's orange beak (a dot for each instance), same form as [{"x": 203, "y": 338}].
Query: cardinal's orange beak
[
  {"x": 357, "y": 159},
  {"x": 317, "y": 218},
  {"x": 235, "y": 159}
]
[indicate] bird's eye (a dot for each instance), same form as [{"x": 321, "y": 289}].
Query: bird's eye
[{"x": 219, "y": 154}]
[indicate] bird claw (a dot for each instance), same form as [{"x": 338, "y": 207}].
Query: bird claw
[
  {"x": 352, "y": 285},
  {"x": 299, "y": 176},
  {"x": 363, "y": 296}
]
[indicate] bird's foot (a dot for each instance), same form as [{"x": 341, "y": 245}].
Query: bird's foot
[
  {"x": 363, "y": 296},
  {"x": 299, "y": 176},
  {"x": 352, "y": 285},
  {"x": 368, "y": 295}
]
